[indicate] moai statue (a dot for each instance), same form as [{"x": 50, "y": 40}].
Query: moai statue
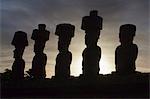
[
  {"x": 64, "y": 58},
  {"x": 126, "y": 53},
  {"x": 91, "y": 55},
  {"x": 40, "y": 36},
  {"x": 20, "y": 42}
]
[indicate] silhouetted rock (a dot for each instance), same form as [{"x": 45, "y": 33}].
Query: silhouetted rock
[
  {"x": 20, "y": 42},
  {"x": 64, "y": 58},
  {"x": 91, "y": 55},
  {"x": 38, "y": 66},
  {"x": 40, "y": 36},
  {"x": 126, "y": 53}
]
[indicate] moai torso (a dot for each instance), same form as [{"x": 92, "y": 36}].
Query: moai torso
[
  {"x": 63, "y": 62},
  {"x": 90, "y": 63},
  {"x": 18, "y": 69},
  {"x": 38, "y": 66},
  {"x": 125, "y": 58}
]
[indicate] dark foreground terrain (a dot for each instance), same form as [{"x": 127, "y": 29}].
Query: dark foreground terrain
[{"x": 105, "y": 86}]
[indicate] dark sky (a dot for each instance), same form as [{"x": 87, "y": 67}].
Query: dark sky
[{"x": 25, "y": 15}]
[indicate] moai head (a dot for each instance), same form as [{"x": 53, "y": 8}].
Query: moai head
[
  {"x": 93, "y": 13},
  {"x": 65, "y": 33},
  {"x": 20, "y": 39},
  {"x": 127, "y": 32},
  {"x": 92, "y": 23},
  {"x": 41, "y": 27}
]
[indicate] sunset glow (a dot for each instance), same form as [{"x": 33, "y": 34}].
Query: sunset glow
[
  {"x": 76, "y": 67},
  {"x": 105, "y": 67},
  {"x": 22, "y": 15}
]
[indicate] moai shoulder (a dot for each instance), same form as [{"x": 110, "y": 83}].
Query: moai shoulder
[
  {"x": 95, "y": 53},
  {"x": 130, "y": 51}
]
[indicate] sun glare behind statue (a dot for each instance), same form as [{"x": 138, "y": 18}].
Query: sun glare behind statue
[
  {"x": 104, "y": 66},
  {"x": 76, "y": 67}
]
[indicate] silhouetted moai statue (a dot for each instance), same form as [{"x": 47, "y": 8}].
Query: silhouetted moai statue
[
  {"x": 126, "y": 53},
  {"x": 20, "y": 42},
  {"x": 91, "y": 55},
  {"x": 64, "y": 58},
  {"x": 40, "y": 36}
]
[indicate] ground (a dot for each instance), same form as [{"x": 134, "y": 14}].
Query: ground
[{"x": 104, "y": 86}]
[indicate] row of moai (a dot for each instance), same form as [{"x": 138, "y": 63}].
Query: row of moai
[{"x": 125, "y": 55}]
